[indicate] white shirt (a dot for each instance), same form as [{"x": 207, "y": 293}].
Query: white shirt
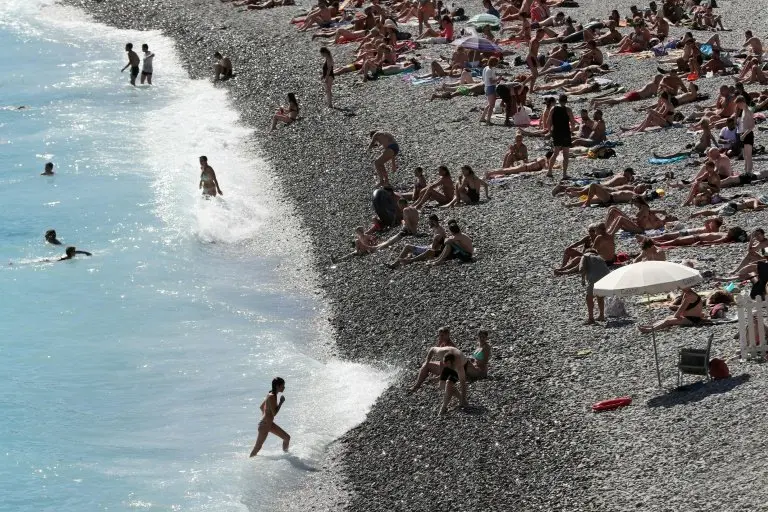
[
  {"x": 147, "y": 63},
  {"x": 489, "y": 76},
  {"x": 728, "y": 135}
]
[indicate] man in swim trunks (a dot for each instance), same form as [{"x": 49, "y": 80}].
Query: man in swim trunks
[
  {"x": 48, "y": 170},
  {"x": 146, "y": 64},
  {"x": 537, "y": 165},
  {"x": 391, "y": 149},
  {"x": 222, "y": 68},
  {"x": 605, "y": 243},
  {"x": 648, "y": 90},
  {"x": 133, "y": 63},
  {"x": 435, "y": 368},
  {"x": 593, "y": 268}
]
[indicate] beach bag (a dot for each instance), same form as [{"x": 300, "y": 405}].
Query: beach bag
[
  {"x": 718, "y": 369},
  {"x": 615, "y": 308},
  {"x": 521, "y": 118}
]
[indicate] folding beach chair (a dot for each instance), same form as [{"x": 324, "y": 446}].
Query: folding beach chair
[{"x": 694, "y": 361}]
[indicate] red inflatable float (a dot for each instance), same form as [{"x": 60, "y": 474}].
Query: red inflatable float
[{"x": 613, "y": 403}]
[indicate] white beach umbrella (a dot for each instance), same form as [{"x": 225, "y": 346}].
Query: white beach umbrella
[{"x": 646, "y": 278}]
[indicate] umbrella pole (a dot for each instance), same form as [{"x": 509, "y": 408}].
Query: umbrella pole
[{"x": 655, "y": 350}]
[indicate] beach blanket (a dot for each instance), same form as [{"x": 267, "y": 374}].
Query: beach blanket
[{"x": 664, "y": 161}]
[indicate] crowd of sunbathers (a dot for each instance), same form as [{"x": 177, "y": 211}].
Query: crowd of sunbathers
[{"x": 556, "y": 57}]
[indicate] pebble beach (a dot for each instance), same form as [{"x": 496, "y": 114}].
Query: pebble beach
[{"x": 529, "y": 440}]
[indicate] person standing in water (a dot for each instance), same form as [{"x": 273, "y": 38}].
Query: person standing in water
[
  {"x": 48, "y": 170},
  {"x": 327, "y": 75},
  {"x": 208, "y": 181},
  {"x": 146, "y": 64},
  {"x": 133, "y": 63},
  {"x": 269, "y": 409}
]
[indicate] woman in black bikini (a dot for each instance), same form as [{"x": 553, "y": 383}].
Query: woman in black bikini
[
  {"x": 468, "y": 188},
  {"x": 327, "y": 77},
  {"x": 689, "y": 314},
  {"x": 287, "y": 114}
]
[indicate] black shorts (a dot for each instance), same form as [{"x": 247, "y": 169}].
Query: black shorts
[
  {"x": 474, "y": 195},
  {"x": 561, "y": 140},
  {"x": 745, "y": 179},
  {"x": 134, "y": 71},
  {"x": 459, "y": 255},
  {"x": 146, "y": 73},
  {"x": 749, "y": 139},
  {"x": 449, "y": 374}
]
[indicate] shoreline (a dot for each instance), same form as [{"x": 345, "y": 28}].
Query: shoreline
[{"x": 529, "y": 442}]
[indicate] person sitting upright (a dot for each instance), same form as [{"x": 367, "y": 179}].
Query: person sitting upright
[
  {"x": 468, "y": 188},
  {"x": 457, "y": 246}
]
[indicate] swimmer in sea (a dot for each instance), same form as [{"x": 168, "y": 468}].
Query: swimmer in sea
[
  {"x": 208, "y": 181},
  {"x": 48, "y": 170},
  {"x": 70, "y": 253},
  {"x": 133, "y": 63},
  {"x": 50, "y": 237},
  {"x": 269, "y": 409}
]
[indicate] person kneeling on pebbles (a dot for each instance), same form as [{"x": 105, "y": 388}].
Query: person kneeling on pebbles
[
  {"x": 222, "y": 68},
  {"x": 450, "y": 368},
  {"x": 363, "y": 244}
]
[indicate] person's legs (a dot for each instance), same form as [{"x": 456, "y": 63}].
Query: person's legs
[
  {"x": 590, "y": 308},
  {"x": 328, "y": 92},
  {"x": 626, "y": 224},
  {"x": 747, "y": 152},
  {"x": 381, "y": 170},
  {"x": 601, "y": 309},
  {"x": 427, "y": 368},
  {"x": 566, "y": 152},
  {"x": 552, "y": 160},
  {"x": 282, "y": 434},
  {"x": 260, "y": 438},
  {"x": 448, "y": 393},
  {"x": 668, "y": 322},
  {"x": 143, "y": 78}
]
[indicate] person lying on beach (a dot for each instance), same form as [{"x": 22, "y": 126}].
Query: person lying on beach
[
  {"x": 572, "y": 254},
  {"x": 445, "y": 35},
  {"x": 647, "y": 91},
  {"x": 625, "y": 179},
  {"x": 649, "y": 252},
  {"x": 441, "y": 190},
  {"x": 689, "y": 314},
  {"x": 733, "y": 235},
  {"x": 711, "y": 225},
  {"x": 410, "y": 224},
  {"x": 286, "y": 113},
  {"x": 545, "y": 125},
  {"x": 591, "y": 57},
  {"x": 752, "y": 73},
  {"x": 268, "y": 4},
  {"x": 731, "y": 207},
  {"x": 431, "y": 367},
  {"x": 457, "y": 246},
  {"x": 391, "y": 149},
  {"x": 645, "y": 219},
  {"x": 602, "y": 196},
  {"x": 374, "y": 69},
  {"x": 723, "y": 108},
  {"x": 415, "y": 253},
  {"x": 222, "y": 68},
  {"x": 48, "y": 170},
  {"x": 364, "y": 244},
  {"x": 537, "y": 165},
  {"x": 453, "y": 91},
  {"x": 468, "y": 188}
]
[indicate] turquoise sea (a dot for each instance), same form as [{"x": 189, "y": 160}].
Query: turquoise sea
[{"x": 132, "y": 379}]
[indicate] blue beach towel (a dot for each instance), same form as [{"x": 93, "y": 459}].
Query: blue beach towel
[{"x": 664, "y": 161}]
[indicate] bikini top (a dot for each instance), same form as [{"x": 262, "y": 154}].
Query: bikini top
[{"x": 478, "y": 355}]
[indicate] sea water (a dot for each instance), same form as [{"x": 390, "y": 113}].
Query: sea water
[{"x": 132, "y": 379}]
